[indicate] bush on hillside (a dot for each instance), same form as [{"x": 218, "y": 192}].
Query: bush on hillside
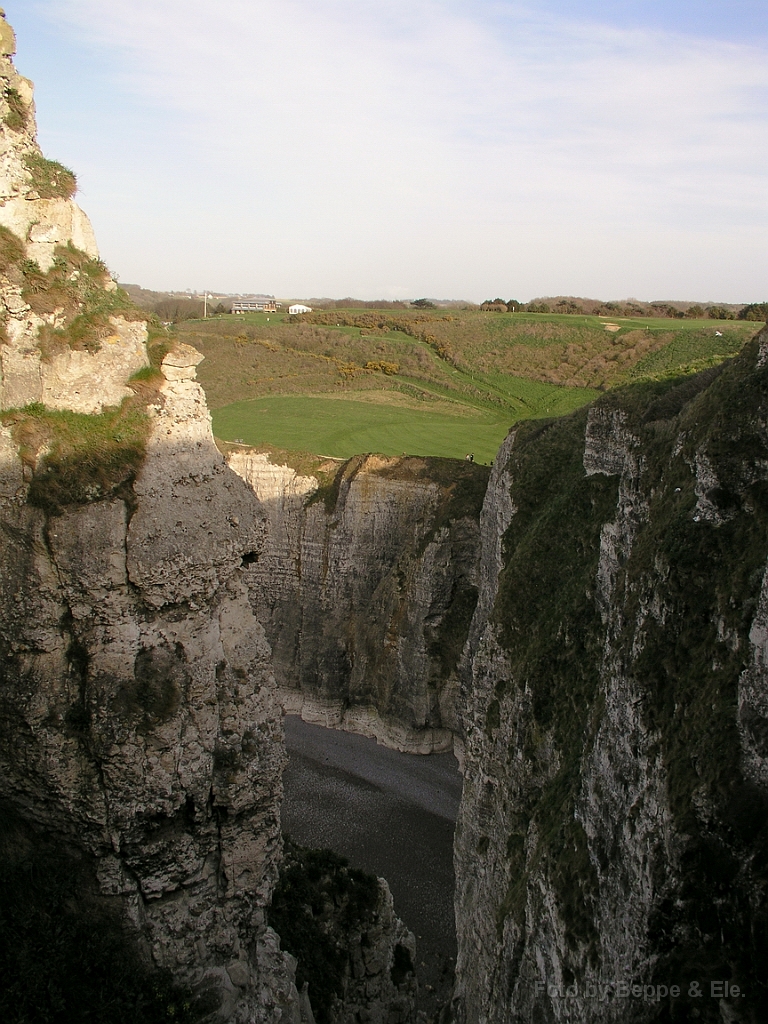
[
  {"x": 719, "y": 313},
  {"x": 49, "y": 178},
  {"x": 176, "y": 310}
]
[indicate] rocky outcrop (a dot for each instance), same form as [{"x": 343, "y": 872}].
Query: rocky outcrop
[
  {"x": 140, "y": 715},
  {"x": 355, "y": 956},
  {"x": 39, "y": 218},
  {"x": 366, "y": 588},
  {"x": 611, "y": 844},
  {"x": 380, "y": 986}
]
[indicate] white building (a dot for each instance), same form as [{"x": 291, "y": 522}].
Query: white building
[
  {"x": 256, "y": 306},
  {"x": 298, "y": 308}
]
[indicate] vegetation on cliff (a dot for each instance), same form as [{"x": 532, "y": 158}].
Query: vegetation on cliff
[
  {"x": 49, "y": 178},
  {"x": 77, "y": 299},
  {"x": 74, "y": 458},
  {"x": 683, "y": 603},
  {"x": 17, "y": 117},
  {"x": 318, "y": 903}
]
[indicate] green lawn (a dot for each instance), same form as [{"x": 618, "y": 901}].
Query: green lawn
[
  {"x": 317, "y": 384},
  {"x": 343, "y": 428},
  {"x": 535, "y": 398}
]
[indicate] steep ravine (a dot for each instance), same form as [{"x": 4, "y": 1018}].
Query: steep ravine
[
  {"x": 366, "y": 588},
  {"x": 596, "y": 638}
]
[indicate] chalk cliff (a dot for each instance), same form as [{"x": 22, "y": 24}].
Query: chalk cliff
[
  {"x": 611, "y": 851},
  {"x": 141, "y": 743},
  {"x": 140, "y": 715},
  {"x": 597, "y": 637},
  {"x": 366, "y": 587},
  {"x": 68, "y": 338}
]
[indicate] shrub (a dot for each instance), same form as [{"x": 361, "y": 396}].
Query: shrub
[
  {"x": 17, "y": 117},
  {"x": 174, "y": 310},
  {"x": 50, "y": 179},
  {"x": 383, "y": 366},
  {"x": 319, "y": 898},
  {"x": 719, "y": 313},
  {"x": 754, "y": 311}
]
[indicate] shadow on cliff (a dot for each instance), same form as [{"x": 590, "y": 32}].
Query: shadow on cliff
[{"x": 64, "y": 953}]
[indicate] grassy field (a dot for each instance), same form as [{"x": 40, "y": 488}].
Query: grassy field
[
  {"x": 343, "y": 382},
  {"x": 343, "y": 428}
]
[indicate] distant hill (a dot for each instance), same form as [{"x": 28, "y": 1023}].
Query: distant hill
[{"x": 430, "y": 381}]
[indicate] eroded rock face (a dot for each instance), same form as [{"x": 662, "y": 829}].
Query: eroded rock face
[
  {"x": 380, "y": 986},
  {"x": 84, "y": 381},
  {"x": 366, "y": 597},
  {"x": 141, "y": 721},
  {"x": 612, "y": 830}
]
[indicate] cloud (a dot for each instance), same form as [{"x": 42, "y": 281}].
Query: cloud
[{"x": 349, "y": 143}]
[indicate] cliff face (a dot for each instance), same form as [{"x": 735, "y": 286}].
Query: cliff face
[
  {"x": 140, "y": 720},
  {"x": 613, "y": 829},
  {"x": 51, "y": 279},
  {"x": 366, "y": 589}
]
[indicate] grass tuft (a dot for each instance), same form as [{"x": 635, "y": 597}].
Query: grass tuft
[
  {"x": 49, "y": 178},
  {"x": 12, "y": 250},
  {"x": 17, "y": 117}
]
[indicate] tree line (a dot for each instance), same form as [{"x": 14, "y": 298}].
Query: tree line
[{"x": 757, "y": 311}]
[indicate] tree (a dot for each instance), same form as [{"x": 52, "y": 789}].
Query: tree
[
  {"x": 754, "y": 311},
  {"x": 423, "y": 304},
  {"x": 719, "y": 313}
]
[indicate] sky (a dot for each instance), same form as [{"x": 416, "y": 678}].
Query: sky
[{"x": 407, "y": 148}]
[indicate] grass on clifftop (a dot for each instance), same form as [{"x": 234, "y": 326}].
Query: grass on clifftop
[
  {"x": 74, "y": 458},
  {"x": 344, "y": 382}
]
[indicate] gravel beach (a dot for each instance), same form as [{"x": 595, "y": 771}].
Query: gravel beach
[{"x": 391, "y": 814}]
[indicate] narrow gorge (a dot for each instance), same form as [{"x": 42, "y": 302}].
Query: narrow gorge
[{"x": 585, "y": 625}]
